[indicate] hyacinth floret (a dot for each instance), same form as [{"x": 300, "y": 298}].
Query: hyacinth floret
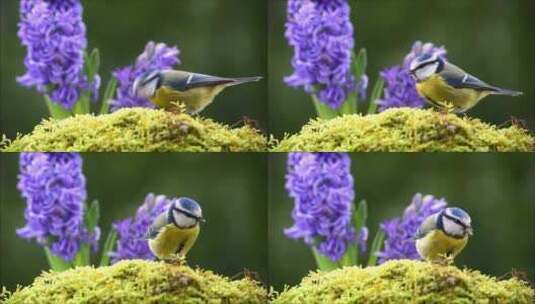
[
  {"x": 321, "y": 34},
  {"x": 54, "y": 35},
  {"x": 53, "y": 186},
  {"x": 321, "y": 185}
]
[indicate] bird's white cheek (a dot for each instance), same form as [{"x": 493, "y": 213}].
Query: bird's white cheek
[
  {"x": 426, "y": 71},
  {"x": 453, "y": 228},
  {"x": 148, "y": 90},
  {"x": 184, "y": 221}
]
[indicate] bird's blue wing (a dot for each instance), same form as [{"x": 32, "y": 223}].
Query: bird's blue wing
[
  {"x": 183, "y": 81},
  {"x": 200, "y": 80},
  {"x": 159, "y": 222},
  {"x": 459, "y": 79},
  {"x": 427, "y": 226}
]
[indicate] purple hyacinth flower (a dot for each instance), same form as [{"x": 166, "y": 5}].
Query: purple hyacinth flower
[
  {"x": 321, "y": 33},
  {"x": 399, "y": 232},
  {"x": 54, "y": 35},
  {"x": 400, "y": 88},
  {"x": 321, "y": 185},
  {"x": 131, "y": 242},
  {"x": 157, "y": 56},
  {"x": 53, "y": 186}
]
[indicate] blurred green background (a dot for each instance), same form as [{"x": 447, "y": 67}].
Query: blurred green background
[
  {"x": 496, "y": 190},
  {"x": 231, "y": 189},
  {"x": 492, "y": 39},
  {"x": 219, "y": 37}
]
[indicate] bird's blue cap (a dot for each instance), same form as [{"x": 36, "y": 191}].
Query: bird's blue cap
[
  {"x": 189, "y": 205},
  {"x": 458, "y": 213}
]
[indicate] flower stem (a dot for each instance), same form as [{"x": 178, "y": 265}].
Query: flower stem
[
  {"x": 323, "y": 262},
  {"x": 56, "y": 263},
  {"x": 56, "y": 111},
  {"x": 323, "y": 110}
]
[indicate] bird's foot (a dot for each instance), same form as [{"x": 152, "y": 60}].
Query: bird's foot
[
  {"x": 444, "y": 260},
  {"x": 446, "y": 109},
  {"x": 177, "y": 107},
  {"x": 176, "y": 259}
]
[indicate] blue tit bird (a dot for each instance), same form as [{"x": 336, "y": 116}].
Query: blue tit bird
[
  {"x": 443, "y": 234},
  {"x": 173, "y": 232},
  {"x": 167, "y": 88},
  {"x": 445, "y": 85}
]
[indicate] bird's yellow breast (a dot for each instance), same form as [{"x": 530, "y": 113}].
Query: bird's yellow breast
[
  {"x": 437, "y": 243},
  {"x": 173, "y": 240},
  {"x": 436, "y": 91},
  {"x": 195, "y": 100}
]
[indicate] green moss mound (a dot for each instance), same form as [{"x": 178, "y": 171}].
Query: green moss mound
[
  {"x": 406, "y": 130},
  {"x": 138, "y": 130},
  {"x": 137, "y": 281},
  {"x": 405, "y": 281}
]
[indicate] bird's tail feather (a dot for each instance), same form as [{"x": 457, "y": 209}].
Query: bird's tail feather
[
  {"x": 236, "y": 81},
  {"x": 500, "y": 91}
]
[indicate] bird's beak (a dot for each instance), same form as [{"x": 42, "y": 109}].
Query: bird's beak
[
  {"x": 202, "y": 220},
  {"x": 470, "y": 231}
]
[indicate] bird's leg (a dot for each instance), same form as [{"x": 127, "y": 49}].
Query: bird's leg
[
  {"x": 444, "y": 259},
  {"x": 444, "y": 111},
  {"x": 176, "y": 259},
  {"x": 177, "y": 107}
]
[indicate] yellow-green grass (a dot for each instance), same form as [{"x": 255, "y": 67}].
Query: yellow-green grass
[
  {"x": 406, "y": 281},
  {"x": 136, "y": 281},
  {"x": 406, "y": 130},
  {"x": 137, "y": 130}
]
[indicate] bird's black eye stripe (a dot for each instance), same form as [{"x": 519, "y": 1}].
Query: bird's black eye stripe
[
  {"x": 188, "y": 214},
  {"x": 455, "y": 220},
  {"x": 152, "y": 77},
  {"x": 426, "y": 63}
]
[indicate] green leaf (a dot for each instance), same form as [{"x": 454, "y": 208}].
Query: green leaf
[
  {"x": 376, "y": 247},
  {"x": 83, "y": 257},
  {"x": 350, "y": 105},
  {"x": 323, "y": 262},
  {"x": 360, "y": 63},
  {"x": 376, "y": 95},
  {"x": 350, "y": 257},
  {"x": 82, "y": 106},
  {"x": 360, "y": 216},
  {"x": 92, "y": 64},
  {"x": 108, "y": 95},
  {"x": 324, "y": 111},
  {"x": 56, "y": 263},
  {"x": 95, "y": 61},
  {"x": 92, "y": 216},
  {"x": 359, "y": 219},
  {"x": 358, "y": 68},
  {"x": 108, "y": 247},
  {"x": 56, "y": 111}
]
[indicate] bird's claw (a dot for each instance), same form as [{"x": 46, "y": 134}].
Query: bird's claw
[
  {"x": 176, "y": 259},
  {"x": 444, "y": 260},
  {"x": 177, "y": 107}
]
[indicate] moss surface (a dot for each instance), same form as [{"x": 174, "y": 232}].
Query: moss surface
[
  {"x": 138, "y": 129},
  {"x": 406, "y": 281},
  {"x": 138, "y": 281},
  {"x": 404, "y": 129}
]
